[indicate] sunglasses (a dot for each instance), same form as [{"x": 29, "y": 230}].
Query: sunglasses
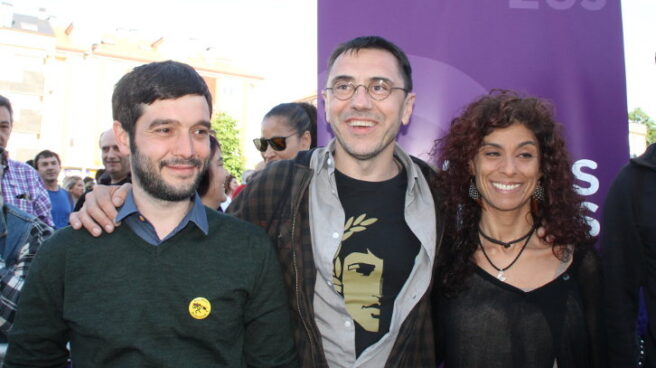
[{"x": 276, "y": 143}]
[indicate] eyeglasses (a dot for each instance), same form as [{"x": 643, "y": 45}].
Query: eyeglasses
[
  {"x": 378, "y": 89},
  {"x": 276, "y": 143}
]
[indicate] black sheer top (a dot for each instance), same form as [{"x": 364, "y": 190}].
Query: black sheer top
[{"x": 495, "y": 325}]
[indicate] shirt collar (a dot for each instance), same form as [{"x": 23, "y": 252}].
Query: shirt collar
[
  {"x": 197, "y": 214},
  {"x": 326, "y": 161}
]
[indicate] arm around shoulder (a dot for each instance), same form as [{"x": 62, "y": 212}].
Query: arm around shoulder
[{"x": 266, "y": 191}]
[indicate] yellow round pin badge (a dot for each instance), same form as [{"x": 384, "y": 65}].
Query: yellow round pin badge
[{"x": 200, "y": 308}]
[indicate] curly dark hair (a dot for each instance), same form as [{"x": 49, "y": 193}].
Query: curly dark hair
[{"x": 561, "y": 213}]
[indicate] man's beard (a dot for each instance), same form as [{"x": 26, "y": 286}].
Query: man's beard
[{"x": 150, "y": 179}]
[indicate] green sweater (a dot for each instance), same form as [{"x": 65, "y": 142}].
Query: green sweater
[{"x": 122, "y": 302}]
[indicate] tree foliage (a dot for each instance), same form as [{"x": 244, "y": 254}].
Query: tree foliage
[
  {"x": 641, "y": 117},
  {"x": 228, "y": 135}
]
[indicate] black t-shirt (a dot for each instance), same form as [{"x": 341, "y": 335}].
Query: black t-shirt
[{"x": 377, "y": 253}]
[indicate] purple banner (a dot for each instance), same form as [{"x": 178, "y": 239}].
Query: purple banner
[{"x": 569, "y": 52}]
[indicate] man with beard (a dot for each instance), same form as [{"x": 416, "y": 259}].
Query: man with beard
[
  {"x": 355, "y": 222},
  {"x": 181, "y": 285}
]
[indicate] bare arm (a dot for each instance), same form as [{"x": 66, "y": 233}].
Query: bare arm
[{"x": 99, "y": 209}]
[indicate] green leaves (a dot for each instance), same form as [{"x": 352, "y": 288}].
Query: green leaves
[
  {"x": 641, "y": 117},
  {"x": 228, "y": 135},
  {"x": 356, "y": 225}
]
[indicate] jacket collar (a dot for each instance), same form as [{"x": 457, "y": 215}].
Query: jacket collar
[
  {"x": 647, "y": 159},
  {"x": 325, "y": 160}
]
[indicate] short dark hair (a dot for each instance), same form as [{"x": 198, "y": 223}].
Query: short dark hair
[
  {"x": 45, "y": 154},
  {"x": 4, "y": 101},
  {"x": 301, "y": 116},
  {"x": 148, "y": 83},
  {"x": 378, "y": 43},
  {"x": 99, "y": 173},
  {"x": 206, "y": 179}
]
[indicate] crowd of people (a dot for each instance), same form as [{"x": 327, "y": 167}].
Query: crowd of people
[{"x": 354, "y": 254}]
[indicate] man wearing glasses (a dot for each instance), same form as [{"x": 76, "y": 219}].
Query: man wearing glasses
[{"x": 354, "y": 222}]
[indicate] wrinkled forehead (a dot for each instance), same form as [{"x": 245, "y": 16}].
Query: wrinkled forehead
[{"x": 107, "y": 139}]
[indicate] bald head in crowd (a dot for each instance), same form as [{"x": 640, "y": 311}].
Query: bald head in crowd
[{"x": 117, "y": 165}]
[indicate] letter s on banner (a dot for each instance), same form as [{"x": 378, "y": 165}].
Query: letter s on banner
[
  {"x": 588, "y": 178},
  {"x": 592, "y": 189},
  {"x": 594, "y": 224}
]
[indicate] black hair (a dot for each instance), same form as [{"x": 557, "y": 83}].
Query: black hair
[
  {"x": 99, "y": 173},
  {"x": 378, "y": 43},
  {"x": 45, "y": 154},
  {"x": 301, "y": 116},
  {"x": 4, "y": 101},
  {"x": 148, "y": 83}
]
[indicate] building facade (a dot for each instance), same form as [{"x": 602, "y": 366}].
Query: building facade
[{"x": 60, "y": 82}]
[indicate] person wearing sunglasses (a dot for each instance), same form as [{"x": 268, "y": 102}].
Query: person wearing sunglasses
[
  {"x": 354, "y": 223},
  {"x": 287, "y": 129}
]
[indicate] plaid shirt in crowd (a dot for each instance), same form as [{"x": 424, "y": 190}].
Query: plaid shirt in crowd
[
  {"x": 22, "y": 188},
  {"x": 12, "y": 276}
]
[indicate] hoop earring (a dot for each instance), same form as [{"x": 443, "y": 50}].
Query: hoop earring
[
  {"x": 538, "y": 194},
  {"x": 473, "y": 191}
]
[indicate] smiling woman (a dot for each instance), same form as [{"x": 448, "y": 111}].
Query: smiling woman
[
  {"x": 507, "y": 168},
  {"x": 287, "y": 129},
  {"x": 534, "y": 299}
]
